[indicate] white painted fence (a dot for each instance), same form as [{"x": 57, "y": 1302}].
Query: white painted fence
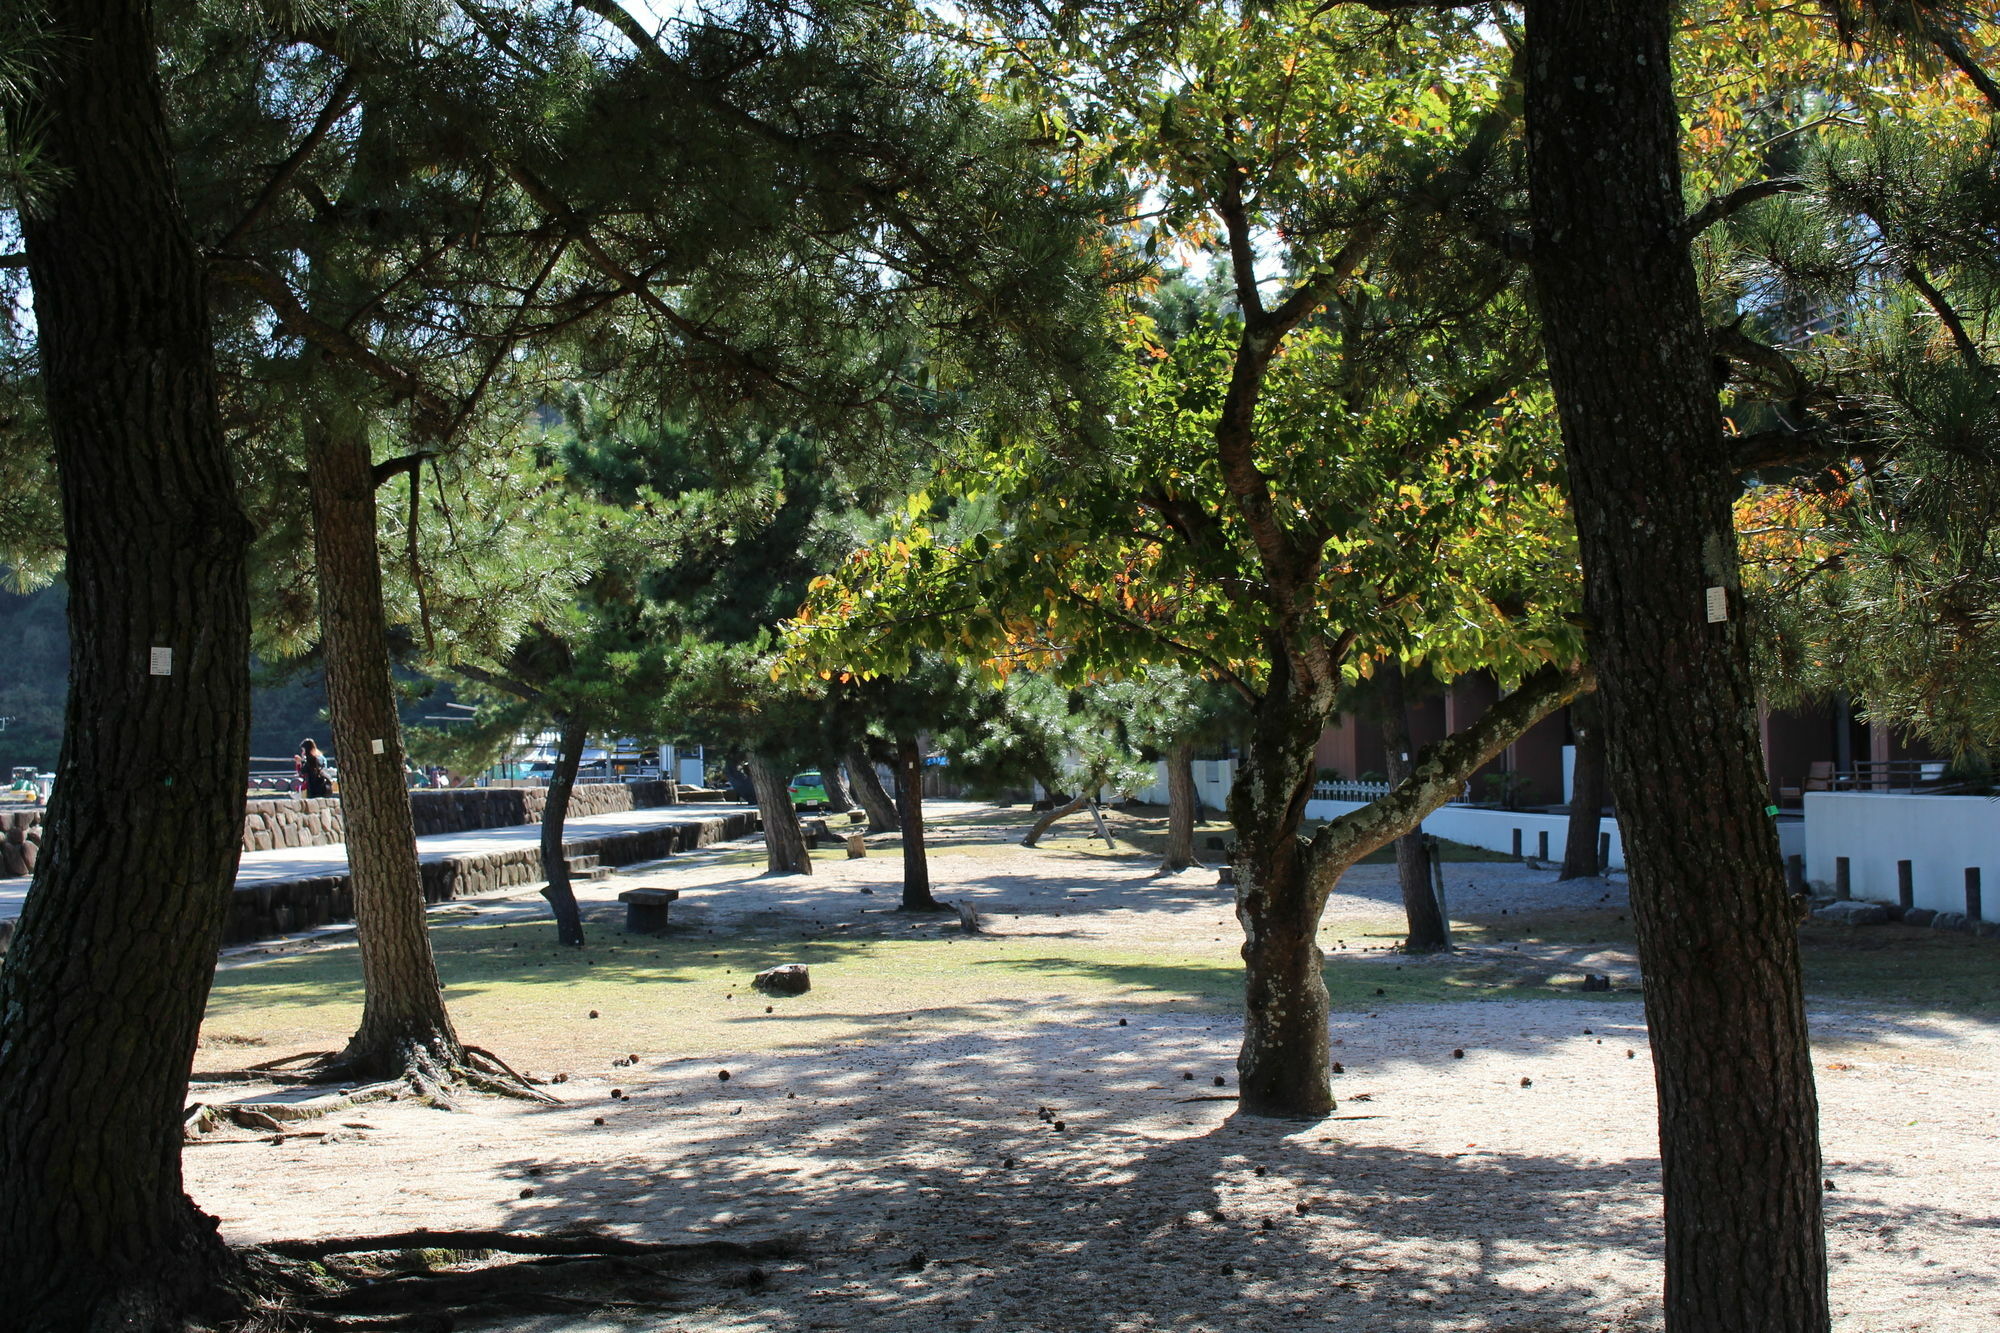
[
  {"x": 1495, "y": 830},
  {"x": 1940, "y": 836}
]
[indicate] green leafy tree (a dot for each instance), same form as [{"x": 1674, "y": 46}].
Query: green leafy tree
[{"x": 1346, "y": 461}]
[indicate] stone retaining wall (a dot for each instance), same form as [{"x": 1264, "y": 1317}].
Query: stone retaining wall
[
  {"x": 266, "y": 910},
  {"x": 295, "y": 822},
  {"x": 20, "y": 841}
]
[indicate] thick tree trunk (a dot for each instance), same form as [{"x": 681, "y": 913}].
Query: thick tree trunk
[
  {"x": 1285, "y": 1066},
  {"x": 1054, "y": 813},
  {"x": 1181, "y": 810},
  {"x": 102, "y": 993},
  {"x": 1285, "y": 1059},
  {"x": 882, "y": 816},
  {"x": 404, "y": 1027},
  {"x": 1651, "y": 490},
  {"x": 555, "y": 815},
  {"x": 910, "y": 790},
  {"x": 1587, "y": 792},
  {"x": 785, "y": 851},
  {"x": 1429, "y": 931},
  {"x": 838, "y": 802}
]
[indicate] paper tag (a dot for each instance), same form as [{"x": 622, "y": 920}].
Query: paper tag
[
  {"x": 376, "y": 746},
  {"x": 162, "y": 661},
  {"x": 1718, "y": 605}
]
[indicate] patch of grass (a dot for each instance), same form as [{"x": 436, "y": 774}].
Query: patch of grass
[
  {"x": 1897, "y": 964},
  {"x": 1451, "y": 853}
]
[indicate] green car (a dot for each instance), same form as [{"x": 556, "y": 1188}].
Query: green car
[{"x": 808, "y": 790}]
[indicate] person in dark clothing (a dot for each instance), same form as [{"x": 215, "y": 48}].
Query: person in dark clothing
[{"x": 312, "y": 768}]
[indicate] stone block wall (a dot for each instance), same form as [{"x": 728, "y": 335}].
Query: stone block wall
[
  {"x": 290, "y": 821},
  {"x": 20, "y": 841},
  {"x": 265, "y": 910}
]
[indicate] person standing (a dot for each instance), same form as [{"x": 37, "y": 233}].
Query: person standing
[{"x": 312, "y": 768}]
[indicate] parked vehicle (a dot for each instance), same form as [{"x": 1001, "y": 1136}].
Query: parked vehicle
[{"x": 808, "y": 791}]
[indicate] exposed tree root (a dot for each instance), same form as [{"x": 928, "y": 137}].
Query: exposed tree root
[
  {"x": 340, "y": 1296},
  {"x": 301, "y": 1058},
  {"x": 556, "y": 1244},
  {"x": 434, "y": 1070}
]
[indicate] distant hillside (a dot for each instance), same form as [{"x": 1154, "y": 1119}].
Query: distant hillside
[
  {"x": 34, "y": 680},
  {"x": 34, "y": 677}
]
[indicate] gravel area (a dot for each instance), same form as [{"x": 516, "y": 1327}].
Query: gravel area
[{"x": 925, "y": 1180}]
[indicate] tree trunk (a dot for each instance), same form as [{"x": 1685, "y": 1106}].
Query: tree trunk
[
  {"x": 838, "y": 802},
  {"x": 785, "y": 851},
  {"x": 555, "y": 814},
  {"x": 1429, "y": 931},
  {"x": 882, "y": 816},
  {"x": 1587, "y": 792},
  {"x": 1181, "y": 810},
  {"x": 404, "y": 1027},
  {"x": 1285, "y": 1061},
  {"x": 916, "y": 868},
  {"x": 1285, "y": 1067},
  {"x": 103, "y": 990},
  {"x": 1052, "y": 814},
  {"x": 1651, "y": 489}
]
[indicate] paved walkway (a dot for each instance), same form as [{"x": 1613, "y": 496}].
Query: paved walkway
[{"x": 289, "y": 863}]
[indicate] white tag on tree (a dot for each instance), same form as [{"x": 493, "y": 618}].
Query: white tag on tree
[
  {"x": 376, "y": 746},
  {"x": 162, "y": 661},
  {"x": 1718, "y": 605}
]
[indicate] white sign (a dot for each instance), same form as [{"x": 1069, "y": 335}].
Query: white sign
[
  {"x": 1718, "y": 605},
  {"x": 162, "y": 661},
  {"x": 376, "y": 746}
]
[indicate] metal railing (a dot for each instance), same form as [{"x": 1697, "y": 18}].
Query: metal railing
[{"x": 1349, "y": 790}]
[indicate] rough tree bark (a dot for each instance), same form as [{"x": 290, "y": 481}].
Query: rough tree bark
[
  {"x": 1651, "y": 488},
  {"x": 555, "y": 816},
  {"x": 1587, "y": 792},
  {"x": 1182, "y": 808},
  {"x": 882, "y": 816},
  {"x": 1283, "y": 880},
  {"x": 910, "y": 806},
  {"x": 103, "y": 989},
  {"x": 1048, "y": 818},
  {"x": 838, "y": 802},
  {"x": 785, "y": 851},
  {"x": 1429, "y": 932},
  {"x": 404, "y": 1027}
]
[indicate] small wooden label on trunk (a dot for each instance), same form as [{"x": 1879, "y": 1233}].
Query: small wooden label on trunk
[
  {"x": 1718, "y": 605},
  {"x": 162, "y": 661}
]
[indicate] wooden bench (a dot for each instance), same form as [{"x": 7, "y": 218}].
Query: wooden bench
[{"x": 646, "y": 909}]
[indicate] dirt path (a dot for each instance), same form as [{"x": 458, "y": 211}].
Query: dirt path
[{"x": 1513, "y": 1190}]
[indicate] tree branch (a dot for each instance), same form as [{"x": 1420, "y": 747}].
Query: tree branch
[
  {"x": 1724, "y": 205},
  {"x": 1439, "y": 774},
  {"x": 433, "y": 415},
  {"x": 1968, "y": 350},
  {"x": 337, "y": 105},
  {"x": 520, "y": 689},
  {"x": 392, "y": 467}
]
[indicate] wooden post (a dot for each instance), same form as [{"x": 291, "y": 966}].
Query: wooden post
[
  {"x": 1842, "y": 882},
  {"x": 1972, "y": 903},
  {"x": 1906, "y": 888}
]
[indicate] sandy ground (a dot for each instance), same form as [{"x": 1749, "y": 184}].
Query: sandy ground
[{"x": 1514, "y": 1190}]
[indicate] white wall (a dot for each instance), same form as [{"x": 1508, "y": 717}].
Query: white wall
[
  {"x": 1491, "y": 829},
  {"x": 1939, "y": 835},
  {"x": 1213, "y": 779}
]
